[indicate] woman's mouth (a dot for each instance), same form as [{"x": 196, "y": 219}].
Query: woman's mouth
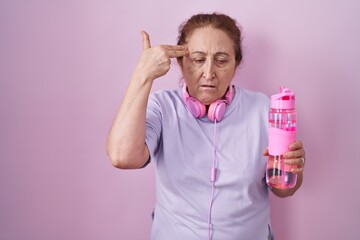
[{"x": 207, "y": 86}]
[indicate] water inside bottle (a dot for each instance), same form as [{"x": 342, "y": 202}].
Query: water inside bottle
[{"x": 278, "y": 174}]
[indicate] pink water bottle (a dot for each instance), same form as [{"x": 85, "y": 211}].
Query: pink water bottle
[{"x": 282, "y": 132}]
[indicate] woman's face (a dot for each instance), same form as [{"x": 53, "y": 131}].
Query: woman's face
[{"x": 210, "y": 65}]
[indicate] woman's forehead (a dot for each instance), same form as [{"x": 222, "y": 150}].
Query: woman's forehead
[{"x": 205, "y": 40}]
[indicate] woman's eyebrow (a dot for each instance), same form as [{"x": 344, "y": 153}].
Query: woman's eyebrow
[
  {"x": 216, "y": 54},
  {"x": 221, "y": 53},
  {"x": 198, "y": 52}
]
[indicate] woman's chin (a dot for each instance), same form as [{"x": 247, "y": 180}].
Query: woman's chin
[{"x": 207, "y": 100}]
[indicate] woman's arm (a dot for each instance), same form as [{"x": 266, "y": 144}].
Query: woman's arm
[{"x": 125, "y": 145}]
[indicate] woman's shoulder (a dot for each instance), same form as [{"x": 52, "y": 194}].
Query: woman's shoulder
[
  {"x": 164, "y": 97},
  {"x": 165, "y": 94},
  {"x": 253, "y": 96}
]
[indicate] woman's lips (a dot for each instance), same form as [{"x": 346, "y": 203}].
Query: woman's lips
[{"x": 207, "y": 86}]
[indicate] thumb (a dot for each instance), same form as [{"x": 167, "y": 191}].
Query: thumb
[{"x": 146, "y": 40}]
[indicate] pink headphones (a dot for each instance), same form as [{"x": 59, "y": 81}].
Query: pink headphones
[{"x": 216, "y": 109}]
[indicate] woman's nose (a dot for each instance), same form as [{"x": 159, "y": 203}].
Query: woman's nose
[{"x": 208, "y": 70}]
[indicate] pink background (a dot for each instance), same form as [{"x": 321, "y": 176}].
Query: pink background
[{"x": 64, "y": 66}]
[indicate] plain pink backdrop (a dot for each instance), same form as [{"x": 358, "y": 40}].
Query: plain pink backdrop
[{"x": 64, "y": 66}]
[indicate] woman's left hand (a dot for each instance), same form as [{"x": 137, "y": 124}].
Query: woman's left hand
[{"x": 296, "y": 157}]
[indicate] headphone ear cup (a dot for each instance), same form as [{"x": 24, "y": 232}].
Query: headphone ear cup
[
  {"x": 217, "y": 110},
  {"x": 197, "y": 109}
]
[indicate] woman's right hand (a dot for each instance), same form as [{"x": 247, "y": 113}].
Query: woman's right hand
[{"x": 155, "y": 61}]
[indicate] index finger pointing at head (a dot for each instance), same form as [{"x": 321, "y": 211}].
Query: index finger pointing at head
[
  {"x": 177, "y": 51},
  {"x": 146, "y": 40}
]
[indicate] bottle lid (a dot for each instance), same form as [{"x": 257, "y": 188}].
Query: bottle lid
[{"x": 283, "y": 100}]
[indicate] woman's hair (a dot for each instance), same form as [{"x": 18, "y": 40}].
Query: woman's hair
[{"x": 214, "y": 20}]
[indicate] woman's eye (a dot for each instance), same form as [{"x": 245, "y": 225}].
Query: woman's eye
[
  {"x": 221, "y": 61},
  {"x": 199, "y": 60}
]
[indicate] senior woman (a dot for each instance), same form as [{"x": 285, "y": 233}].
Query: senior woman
[{"x": 207, "y": 139}]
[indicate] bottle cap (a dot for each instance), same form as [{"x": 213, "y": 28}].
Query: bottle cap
[{"x": 283, "y": 100}]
